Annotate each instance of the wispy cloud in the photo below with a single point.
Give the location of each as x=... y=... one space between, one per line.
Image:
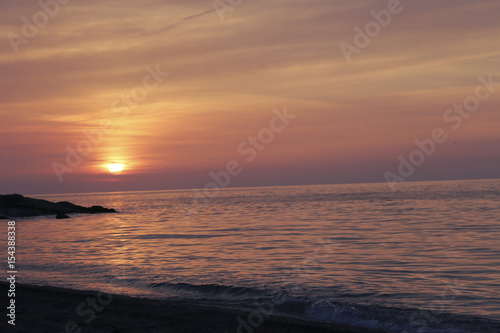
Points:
x=226 y=76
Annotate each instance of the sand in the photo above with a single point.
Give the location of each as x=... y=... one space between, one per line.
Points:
x=49 y=309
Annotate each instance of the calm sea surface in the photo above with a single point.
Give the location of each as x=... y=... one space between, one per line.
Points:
x=423 y=259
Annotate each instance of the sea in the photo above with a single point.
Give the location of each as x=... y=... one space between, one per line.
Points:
x=425 y=258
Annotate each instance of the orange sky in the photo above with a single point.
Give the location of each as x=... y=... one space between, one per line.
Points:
x=225 y=78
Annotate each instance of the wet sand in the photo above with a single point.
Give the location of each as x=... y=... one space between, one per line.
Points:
x=56 y=310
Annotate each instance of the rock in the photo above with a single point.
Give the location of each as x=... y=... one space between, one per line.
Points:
x=62 y=216
x=16 y=205
x=100 y=209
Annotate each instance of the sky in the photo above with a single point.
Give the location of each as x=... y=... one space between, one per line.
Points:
x=294 y=92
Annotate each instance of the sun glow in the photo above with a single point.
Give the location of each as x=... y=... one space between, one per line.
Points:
x=115 y=167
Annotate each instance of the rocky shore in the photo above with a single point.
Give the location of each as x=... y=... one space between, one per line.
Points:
x=16 y=205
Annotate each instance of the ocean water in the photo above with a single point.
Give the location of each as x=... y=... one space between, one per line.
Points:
x=423 y=259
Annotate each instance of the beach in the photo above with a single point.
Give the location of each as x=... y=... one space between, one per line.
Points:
x=250 y=166
x=50 y=309
x=282 y=259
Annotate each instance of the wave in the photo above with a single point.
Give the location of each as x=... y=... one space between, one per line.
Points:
x=404 y=320
x=281 y=303
x=210 y=290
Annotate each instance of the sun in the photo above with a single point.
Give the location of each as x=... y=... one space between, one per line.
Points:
x=115 y=168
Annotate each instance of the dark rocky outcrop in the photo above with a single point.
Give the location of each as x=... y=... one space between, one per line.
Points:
x=16 y=205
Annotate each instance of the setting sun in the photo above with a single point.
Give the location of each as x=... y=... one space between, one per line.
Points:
x=115 y=168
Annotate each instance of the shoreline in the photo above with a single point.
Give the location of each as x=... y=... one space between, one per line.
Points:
x=54 y=309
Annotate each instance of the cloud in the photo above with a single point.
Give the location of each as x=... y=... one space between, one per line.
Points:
x=227 y=75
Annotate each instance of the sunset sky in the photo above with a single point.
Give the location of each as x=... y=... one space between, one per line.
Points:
x=353 y=119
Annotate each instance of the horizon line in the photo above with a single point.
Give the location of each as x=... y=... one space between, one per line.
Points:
x=262 y=186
